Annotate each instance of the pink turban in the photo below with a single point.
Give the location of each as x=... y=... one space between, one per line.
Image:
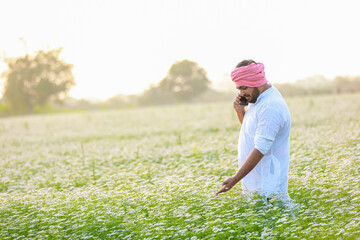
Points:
x=252 y=75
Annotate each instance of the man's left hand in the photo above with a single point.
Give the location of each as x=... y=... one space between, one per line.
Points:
x=228 y=184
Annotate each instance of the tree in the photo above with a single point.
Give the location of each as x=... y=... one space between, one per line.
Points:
x=154 y=95
x=185 y=80
x=34 y=80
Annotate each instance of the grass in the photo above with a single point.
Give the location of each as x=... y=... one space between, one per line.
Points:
x=151 y=174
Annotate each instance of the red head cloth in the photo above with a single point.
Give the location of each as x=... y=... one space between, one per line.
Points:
x=252 y=75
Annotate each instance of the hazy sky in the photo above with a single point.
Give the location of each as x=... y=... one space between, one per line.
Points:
x=124 y=46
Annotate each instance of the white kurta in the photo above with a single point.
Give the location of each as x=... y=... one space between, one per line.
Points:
x=266 y=127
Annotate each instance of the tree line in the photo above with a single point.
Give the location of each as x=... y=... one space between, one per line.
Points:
x=319 y=84
x=41 y=83
x=35 y=83
x=313 y=85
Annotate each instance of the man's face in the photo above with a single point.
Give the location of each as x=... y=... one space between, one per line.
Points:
x=250 y=93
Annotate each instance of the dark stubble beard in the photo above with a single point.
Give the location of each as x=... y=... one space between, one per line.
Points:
x=255 y=96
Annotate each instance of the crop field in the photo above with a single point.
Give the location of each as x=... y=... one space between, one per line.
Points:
x=151 y=173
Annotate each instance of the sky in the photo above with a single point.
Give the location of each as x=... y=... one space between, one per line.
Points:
x=121 y=47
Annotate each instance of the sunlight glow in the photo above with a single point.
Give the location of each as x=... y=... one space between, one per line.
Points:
x=121 y=47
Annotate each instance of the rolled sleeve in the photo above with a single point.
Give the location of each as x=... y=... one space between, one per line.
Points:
x=270 y=122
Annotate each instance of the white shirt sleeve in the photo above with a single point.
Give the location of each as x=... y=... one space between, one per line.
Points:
x=270 y=122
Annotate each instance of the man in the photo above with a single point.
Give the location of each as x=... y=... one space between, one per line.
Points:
x=264 y=142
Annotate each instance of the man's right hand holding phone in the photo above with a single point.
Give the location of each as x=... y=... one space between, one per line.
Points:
x=240 y=107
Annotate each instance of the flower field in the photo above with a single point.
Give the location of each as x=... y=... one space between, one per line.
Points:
x=152 y=173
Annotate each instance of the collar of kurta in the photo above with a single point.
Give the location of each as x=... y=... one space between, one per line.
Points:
x=264 y=94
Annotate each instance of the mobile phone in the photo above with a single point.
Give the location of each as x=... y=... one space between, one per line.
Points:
x=243 y=101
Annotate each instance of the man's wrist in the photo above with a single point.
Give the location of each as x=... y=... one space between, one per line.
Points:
x=237 y=178
x=241 y=111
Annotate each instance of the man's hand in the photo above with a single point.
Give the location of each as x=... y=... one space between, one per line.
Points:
x=228 y=184
x=238 y=108
x=251 y=161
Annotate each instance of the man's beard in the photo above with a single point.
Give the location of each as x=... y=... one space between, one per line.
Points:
x=255 y=95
